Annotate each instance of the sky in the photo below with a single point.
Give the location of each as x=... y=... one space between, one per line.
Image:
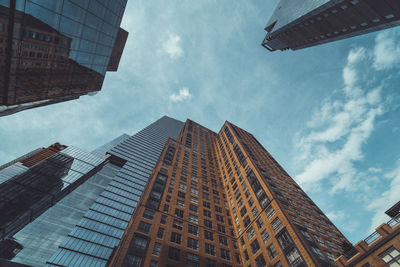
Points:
x=330 y=114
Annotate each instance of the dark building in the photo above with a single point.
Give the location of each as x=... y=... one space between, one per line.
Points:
x=56 y=51
x=222 y=200
x=300 y=24
x=82 y=226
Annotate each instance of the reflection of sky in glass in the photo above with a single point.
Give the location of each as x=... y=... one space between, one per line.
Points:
x=93 y=26
x=289 y=10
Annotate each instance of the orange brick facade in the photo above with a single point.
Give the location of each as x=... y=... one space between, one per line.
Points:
x=222 y=200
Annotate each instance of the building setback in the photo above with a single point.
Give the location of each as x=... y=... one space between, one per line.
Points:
x=381 y=248
x=222 y=200
x=300 y=24
x=56 y=51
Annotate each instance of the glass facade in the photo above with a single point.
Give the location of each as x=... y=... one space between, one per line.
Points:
x=55 y=49
x=301 y=24
x=92 y=240
x=24 y=195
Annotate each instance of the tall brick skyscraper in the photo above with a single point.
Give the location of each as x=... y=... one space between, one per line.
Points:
x=300 y=24
x=222 y=200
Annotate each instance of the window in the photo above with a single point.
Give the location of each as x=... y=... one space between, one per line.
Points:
x=160 y=233
x=210 y=249
x=193 y=218
x=211 y=263
x=246 y=255
x=194 y=191
x=179 y=213
x=270 y=212
x=153 y=263
x=255 y=246
x=163 y=219
x=208 y=235
x=317 y=252
x=156 y=249
x=180 y=203
x=206 y=196
x=144 y=227
x=168 y=199
x=192 y=260
x=177 y=225
x=284 y=240
x=193 y=208
x=221 y=229
x=207 y=213
x=206 y=204
x=148 y=214
x=182 y=186
x=223 y=240
x=174 y=253
x=181 y=194
x=208 y=224
x=243 y=211
x=271 y=251
x=246 y=221
x=192 y=243
x=218 y=209
x=134 y=261
x=194 y=200
x=260 y=223
x=391 y=257
x=139 y=244
x=255 y=212
x=265 y=237
x=166 y=208
x=251 y=202
x=260 y=261
x=194 y=230
x=276 y=224
x=225 y=254
x=220 y=218
x=176 y=238
x=250 y=233
x=278 y=264
x=294 y=257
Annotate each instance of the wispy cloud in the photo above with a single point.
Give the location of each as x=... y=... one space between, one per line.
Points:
x=172 y=46
x=386 y=199
x=183 y=95
x=339 y=130
x=387 y=50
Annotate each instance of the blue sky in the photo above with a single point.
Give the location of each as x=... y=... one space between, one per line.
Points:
x=329 y=114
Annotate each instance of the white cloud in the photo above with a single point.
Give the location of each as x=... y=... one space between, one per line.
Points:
x=375 y=170
x=172 y=47
x=344 y=124
x=386 y=52
x=183 y=94
x=385 y=200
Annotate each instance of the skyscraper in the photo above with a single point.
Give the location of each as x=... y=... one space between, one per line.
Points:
x=84 y=225
x=54 y=51
x=300 y=24
x=222 y=200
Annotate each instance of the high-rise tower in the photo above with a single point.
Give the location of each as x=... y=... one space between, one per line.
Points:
x=77 y=204
x=54 y=51
x=300 y=24
x=222 y=200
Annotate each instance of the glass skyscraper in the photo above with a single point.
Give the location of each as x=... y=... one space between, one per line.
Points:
x=300 y=24
x=83 y=228
x=56 y=50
